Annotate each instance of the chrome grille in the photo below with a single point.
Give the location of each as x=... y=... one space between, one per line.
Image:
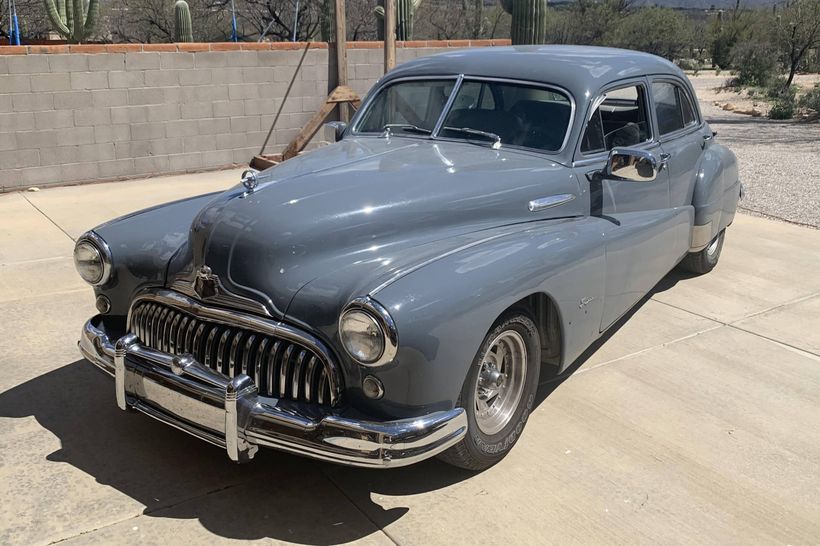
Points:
x=280 y=367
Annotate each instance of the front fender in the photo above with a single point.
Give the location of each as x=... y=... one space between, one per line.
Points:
x=141 y=245
x=444 y=310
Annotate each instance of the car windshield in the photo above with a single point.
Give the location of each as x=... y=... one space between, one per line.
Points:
x=493 y=113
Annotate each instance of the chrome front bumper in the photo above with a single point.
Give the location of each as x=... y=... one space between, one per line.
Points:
x=229 y=413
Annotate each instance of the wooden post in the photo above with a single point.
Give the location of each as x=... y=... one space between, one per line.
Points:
x=341 y=54
x=389 y=34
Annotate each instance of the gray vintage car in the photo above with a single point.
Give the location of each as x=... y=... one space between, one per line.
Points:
x=397 y=294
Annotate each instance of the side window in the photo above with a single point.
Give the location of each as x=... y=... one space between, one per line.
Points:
x=672 y=107
x=619 y=121
x=474 y=96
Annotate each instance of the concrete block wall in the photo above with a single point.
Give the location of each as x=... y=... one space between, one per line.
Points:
x=88 y=113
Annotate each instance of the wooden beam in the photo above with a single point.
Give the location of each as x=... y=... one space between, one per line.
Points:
x=389 y=35
x=342 y=96
x=341 y=54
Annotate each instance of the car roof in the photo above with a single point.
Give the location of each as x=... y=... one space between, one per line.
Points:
x=579 y=69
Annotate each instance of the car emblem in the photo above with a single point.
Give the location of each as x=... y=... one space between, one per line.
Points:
x=206 y=283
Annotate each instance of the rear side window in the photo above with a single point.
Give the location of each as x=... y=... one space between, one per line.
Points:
x=620 y=120
x=673 y=107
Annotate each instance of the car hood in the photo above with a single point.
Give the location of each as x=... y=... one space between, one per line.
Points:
x=363 y=203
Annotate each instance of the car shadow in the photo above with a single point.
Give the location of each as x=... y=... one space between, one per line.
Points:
x=278 y=496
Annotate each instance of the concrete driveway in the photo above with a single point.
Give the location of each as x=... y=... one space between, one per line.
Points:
x=696 y=420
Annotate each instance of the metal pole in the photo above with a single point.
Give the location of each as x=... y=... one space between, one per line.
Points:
x=389 y=34
x=234 y=37
x=296 y=21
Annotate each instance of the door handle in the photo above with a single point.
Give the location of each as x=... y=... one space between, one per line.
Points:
x=664 y=160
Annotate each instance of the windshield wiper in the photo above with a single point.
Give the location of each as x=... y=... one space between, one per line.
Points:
x=388 y=129
x=476 y=132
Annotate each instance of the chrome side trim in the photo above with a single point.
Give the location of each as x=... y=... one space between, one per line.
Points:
x=548 y=202
x=225 y=298
x=229 y=413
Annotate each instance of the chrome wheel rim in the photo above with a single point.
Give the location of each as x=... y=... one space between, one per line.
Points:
x=500 y=382
x=712 y=248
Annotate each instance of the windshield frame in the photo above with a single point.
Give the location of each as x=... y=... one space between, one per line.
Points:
x=459 y=79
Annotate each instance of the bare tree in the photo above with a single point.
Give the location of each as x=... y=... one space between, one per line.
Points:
x=798 y=32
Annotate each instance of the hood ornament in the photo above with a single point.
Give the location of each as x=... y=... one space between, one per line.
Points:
x=249 y=180
x=206 y=284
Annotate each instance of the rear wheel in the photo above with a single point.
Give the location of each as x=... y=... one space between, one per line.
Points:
x=498 y=393
x=706 y=259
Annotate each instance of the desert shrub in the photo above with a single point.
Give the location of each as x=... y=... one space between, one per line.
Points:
x=754 y=63
x=783 y=107
x=688 y=64
x=811 y=100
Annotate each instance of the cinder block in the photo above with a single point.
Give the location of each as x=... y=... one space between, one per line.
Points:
x=242 y=58
x=141 y=61
x=210 y=59
x=17 y=121
x=242 y=91
x=36 y=139
x=77 y=135
x=256 y=107
x=185 y=161
x=79 y=172
x=134 y=148
x=147 y=131
x=92 y=116
x=197 y=76
x=53 y=119
x=244 y=124
x=88 y=80
x=231 y=141
x=50 y=82
x=277 y=58
x=10 y=179
x=129 y=114
x=8 y=141
x=116 y=168
x=102 y=98
x=19 y=159
x=179 y=128
x=229 y=108
x=106 y=62
x=112 y=133
x=256 y=138
x=163 y=112
x=28 y=64
x=72 y=99
x=57 y=155
x=15 y=83
x=176 y=60
x=227 y=75
x=258 y=74
x=146 y=95
x=217 y=158
x=166 y=146
x=172 y=94
x=161 y=78
x=198 y=143
x=244 y=155
x=200 y=93
x=151 y=165
x=213 y=126
x=196 y=110
x=32 y=102
x=50 y=174
x=272 y=90
x=5 y=103
x=126 y=79
x=68 y=63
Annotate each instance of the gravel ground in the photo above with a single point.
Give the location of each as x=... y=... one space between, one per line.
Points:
x=779 y=160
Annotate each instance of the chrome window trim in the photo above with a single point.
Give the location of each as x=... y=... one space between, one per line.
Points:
x=382 y=317
x=650 y=117
x=686 y=129
x=460 y=78
x=105 y=255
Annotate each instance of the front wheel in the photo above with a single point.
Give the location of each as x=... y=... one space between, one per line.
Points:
x=706 y=259
x=498 y=393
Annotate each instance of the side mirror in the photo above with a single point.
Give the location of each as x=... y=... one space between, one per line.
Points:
x=634 y=165
x=338 y=128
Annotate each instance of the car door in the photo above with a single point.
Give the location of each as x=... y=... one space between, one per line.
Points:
x=640 y=249
x=682 y=136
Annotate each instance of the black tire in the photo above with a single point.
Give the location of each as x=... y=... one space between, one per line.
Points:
x=477 y=450
x=706 y=259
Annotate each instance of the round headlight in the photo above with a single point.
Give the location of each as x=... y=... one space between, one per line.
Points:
x=362 y=336
x=92 y=261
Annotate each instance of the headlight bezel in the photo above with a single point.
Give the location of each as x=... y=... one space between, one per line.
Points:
x=381 y=317
x=97 y=243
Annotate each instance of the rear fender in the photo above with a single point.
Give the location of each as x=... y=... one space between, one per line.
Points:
x=716 y=194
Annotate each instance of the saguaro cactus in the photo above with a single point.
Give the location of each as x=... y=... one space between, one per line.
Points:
x=529 y=20
x=182 y=22
x=70 y=18
x=405 y=12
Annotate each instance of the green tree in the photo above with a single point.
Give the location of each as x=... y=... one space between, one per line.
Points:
x=660 y=31
x=798 y=32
